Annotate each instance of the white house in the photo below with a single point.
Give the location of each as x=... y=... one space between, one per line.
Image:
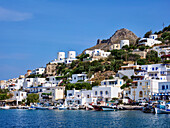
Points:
x=124 y=43
x=149 y=41
x=163 y=91
x=127 y=70
x=33 y=82
x=38 y=71
x=80 y=97
x=106 y=93
x=19 y=96
x=61 y=57
x=109 y=89
x=162 y=50
x=156 y=71
x=97 y=54
x=78 y=78
x=143 y=89
x=18 y=84
x=51 y=94
x=53 y=81
x=113 y=82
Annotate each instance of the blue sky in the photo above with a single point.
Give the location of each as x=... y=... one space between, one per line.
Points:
x=33 y=31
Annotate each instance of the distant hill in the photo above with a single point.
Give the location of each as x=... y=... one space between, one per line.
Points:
x=121 y=34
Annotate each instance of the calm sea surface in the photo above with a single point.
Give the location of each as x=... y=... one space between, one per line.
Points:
x=82 y=119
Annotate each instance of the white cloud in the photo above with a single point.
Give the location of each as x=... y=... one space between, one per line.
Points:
x=11 y=15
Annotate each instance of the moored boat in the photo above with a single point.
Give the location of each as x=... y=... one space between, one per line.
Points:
x=163 y=108
x=104 y=108
x=5 y=107
x=74 y=107
x=62 y=107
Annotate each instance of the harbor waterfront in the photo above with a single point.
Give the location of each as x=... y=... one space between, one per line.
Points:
x=82 y=118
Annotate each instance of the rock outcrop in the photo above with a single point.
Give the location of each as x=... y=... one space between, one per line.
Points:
x=122 y=34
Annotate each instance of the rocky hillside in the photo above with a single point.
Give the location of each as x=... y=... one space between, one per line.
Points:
x=121 y=34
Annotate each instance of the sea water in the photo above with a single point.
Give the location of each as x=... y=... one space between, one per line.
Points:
x=81 y=119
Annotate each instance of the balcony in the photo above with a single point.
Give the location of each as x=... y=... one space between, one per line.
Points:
x=144 y=87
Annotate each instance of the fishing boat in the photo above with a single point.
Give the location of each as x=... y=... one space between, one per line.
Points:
x=163 y=108
x=89 y=107
x=74 y=107
x=5 y=107
x=50 y=107
x=62 y=107
x=104 y=108
x=32 y=107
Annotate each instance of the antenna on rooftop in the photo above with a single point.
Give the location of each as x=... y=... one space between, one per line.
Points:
x=163 y=25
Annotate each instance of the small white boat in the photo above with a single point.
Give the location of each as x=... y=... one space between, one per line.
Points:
x=50 y=107
x=89 y=107
x=5 y=107
x=62 y=107
x=74 y=107
x=162 y=111
x=32 y=107
x=163 y=108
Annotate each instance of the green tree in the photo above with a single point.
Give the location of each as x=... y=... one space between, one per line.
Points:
x=125 y=78
x=32 y=98
x=142 y=48
x=152 y=56
x=147 y=34
x=142 y=62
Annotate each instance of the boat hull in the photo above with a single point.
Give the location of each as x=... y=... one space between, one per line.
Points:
x=161 y=111
x=103 y=108
x=6 y=107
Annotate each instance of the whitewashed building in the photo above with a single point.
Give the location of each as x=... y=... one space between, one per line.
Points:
x=124 y=43
x=38 y=71
x=162 y=50
x=149 y=41
x=97 y=54
x=33 y=82
x=79 y=78
x=156 y=71
x=163 y=91
x=19 y=96
x=127 y=70
x=53 y=81
x=80 y=97
x=143 y=89
x=61 y=57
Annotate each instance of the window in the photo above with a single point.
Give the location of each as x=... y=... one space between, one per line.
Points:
x=22 y=94
x=104 y=83
x=95 y=92
x=101 y=92
x=166 y=86
x=111 y=82
x=152 y=69
x=106 y=93
x=140 y=94
x=144 y=92
x=78 y=95
x=17 y=94
x=156 y=68
x=69 y=94
x=163 y=87
x=155 y=74
x=140 y=83
x=120 y=82
x=88 y=96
